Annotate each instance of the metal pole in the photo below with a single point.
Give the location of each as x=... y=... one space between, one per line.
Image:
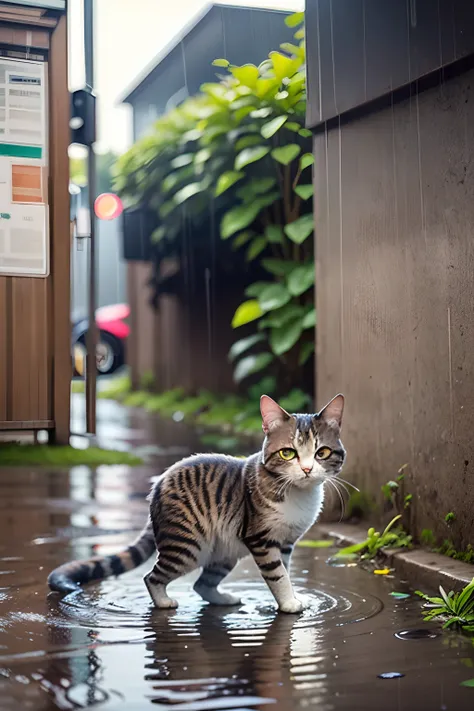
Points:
x=91 y=367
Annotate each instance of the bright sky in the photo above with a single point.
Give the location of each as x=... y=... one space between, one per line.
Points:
x=129 y=33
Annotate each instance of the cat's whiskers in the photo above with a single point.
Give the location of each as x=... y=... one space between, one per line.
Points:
x=341 y=499
x=340 y=479
x=343 y=486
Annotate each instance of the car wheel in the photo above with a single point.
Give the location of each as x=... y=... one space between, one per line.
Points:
x=109 y=353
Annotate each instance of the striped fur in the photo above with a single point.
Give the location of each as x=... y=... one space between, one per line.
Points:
x=208 y=511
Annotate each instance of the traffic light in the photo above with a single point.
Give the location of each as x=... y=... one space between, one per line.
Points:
x=83 y=117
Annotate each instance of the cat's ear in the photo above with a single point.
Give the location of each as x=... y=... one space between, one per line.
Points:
x=332 y=413
x=272 y=414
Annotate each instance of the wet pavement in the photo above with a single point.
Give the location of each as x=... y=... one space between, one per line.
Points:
x=107 y=647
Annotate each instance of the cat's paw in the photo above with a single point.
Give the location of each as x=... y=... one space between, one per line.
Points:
x=292 y=607
x=166 y=603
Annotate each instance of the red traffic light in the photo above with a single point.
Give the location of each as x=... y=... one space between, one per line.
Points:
x=108 y=206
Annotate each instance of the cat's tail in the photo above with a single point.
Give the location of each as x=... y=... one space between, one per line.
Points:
x=68 y=577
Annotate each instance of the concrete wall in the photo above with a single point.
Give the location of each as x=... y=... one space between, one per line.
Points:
x=395 y=294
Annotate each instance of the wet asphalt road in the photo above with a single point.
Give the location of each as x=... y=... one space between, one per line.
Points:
x=109 y=648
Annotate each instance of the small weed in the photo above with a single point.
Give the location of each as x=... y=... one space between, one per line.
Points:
x=389 y=489
x=359 y=505
x=427 y=537
x=447 y=548
x=407 y=501
x=453 y=608
x=375 y=541
x=450 y=518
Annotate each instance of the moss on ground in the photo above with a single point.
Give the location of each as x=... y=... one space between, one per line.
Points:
x=13 y=454
x=226 y=413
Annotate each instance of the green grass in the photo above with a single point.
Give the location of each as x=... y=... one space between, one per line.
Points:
x=42 y=454
x=78 y=386
x=118 y=389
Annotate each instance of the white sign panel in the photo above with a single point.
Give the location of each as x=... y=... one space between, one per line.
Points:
x=24 y=238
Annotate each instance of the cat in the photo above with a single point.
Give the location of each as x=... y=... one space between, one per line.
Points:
x=210 y=510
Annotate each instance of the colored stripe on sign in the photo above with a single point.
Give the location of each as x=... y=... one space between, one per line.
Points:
x=12 y=149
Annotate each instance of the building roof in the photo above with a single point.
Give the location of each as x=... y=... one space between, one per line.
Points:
x=179 y=37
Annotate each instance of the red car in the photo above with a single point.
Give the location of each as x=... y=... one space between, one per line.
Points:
x=113 y=332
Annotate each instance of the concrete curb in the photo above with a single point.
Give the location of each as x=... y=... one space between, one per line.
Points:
x=421 y=568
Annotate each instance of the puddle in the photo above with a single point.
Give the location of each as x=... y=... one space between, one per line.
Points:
x=108 y=647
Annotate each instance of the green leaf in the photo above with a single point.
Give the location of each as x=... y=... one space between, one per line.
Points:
x=247 y=74
x=469 y=683
x=238 y=219
x=279 y=267
x=324 y=543
x=274 y=234
x=269 y=129
x=247 y=311
x=278 y=317
x=242 y=239
x=247 y=141
x=307 y=349
x=301 y=279
x=309 y=320
x=305 y=133
x=251 y=364
x=399 y=595
x=255 y=289
x=284 y=338
x=158 y=234
x=182 y=160
x=283 y=66
x=250 y=155
x=299 y=35
x=295 y=19
x=299 y=230
x=202 y=156
x=355 y=548
x=187 y=192
x=293 y=126
x=273 y=297
x=306 y=160
x=285 y=154
x=221 y=63
x=290 y=48
x=244 y=344
x=304 y=191
x=226 y=180
x=255 y=186
x=257 y=246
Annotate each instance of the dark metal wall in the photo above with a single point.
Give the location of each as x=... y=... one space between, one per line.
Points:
x=359 y=50
x=395 y=295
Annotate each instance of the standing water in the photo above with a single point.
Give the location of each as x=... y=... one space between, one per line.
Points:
x=351 y=649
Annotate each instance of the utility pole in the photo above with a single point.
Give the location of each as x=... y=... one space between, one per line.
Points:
x=91 y=344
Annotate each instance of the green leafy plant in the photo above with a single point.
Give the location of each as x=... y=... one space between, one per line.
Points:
x=450 y=518
x=448 y=549
x=241 y=147
x=453 y=608
x=375 y=541
x=427 y=537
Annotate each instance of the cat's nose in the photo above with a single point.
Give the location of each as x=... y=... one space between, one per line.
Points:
x=306 y=469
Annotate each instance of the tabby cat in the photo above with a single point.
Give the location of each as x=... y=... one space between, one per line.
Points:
x=210 y=510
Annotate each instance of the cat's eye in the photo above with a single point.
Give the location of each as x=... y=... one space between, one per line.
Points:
x=324 y=453
x=287 y=454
